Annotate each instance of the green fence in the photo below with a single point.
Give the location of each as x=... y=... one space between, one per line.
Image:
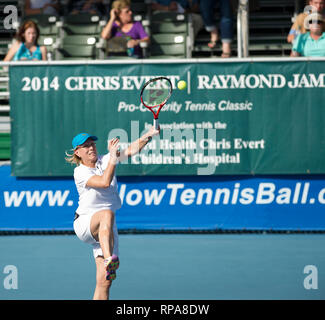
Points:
x=235 y=117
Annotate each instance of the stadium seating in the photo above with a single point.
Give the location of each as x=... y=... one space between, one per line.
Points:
x=74 y=47
x=141 y=10
x=78 y=37
x=82 y=24
x=269 y=25
x=169 y=35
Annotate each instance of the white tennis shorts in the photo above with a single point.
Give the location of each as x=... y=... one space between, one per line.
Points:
x=82 y=229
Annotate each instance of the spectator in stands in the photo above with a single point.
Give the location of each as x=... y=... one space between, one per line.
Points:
x=50 y=7
x=86 y=6
x=226 y=24
x=181 y=6
x=298 y=26
x=312 y=43
x=25 y=47
x=121 y=25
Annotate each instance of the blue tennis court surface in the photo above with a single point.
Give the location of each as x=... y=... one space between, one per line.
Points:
x=159 y=267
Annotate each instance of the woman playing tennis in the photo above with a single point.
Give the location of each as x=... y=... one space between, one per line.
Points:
x=98 y=201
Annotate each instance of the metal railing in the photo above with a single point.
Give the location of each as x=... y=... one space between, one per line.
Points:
x=242 y=29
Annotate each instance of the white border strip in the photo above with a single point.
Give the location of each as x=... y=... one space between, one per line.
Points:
x=158 y=61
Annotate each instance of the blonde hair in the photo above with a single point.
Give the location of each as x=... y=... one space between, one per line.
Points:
x=120 y=4
x=72 y=158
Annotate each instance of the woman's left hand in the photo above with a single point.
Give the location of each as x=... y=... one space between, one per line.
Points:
x=132 y=43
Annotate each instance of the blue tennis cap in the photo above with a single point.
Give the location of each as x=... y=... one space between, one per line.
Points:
x=81 y=138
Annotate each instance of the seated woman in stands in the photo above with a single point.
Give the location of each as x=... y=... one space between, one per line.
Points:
x=25 y=47
x=121 y=24
x=312 y=43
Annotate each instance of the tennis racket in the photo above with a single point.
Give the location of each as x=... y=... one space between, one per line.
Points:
x=154 y=95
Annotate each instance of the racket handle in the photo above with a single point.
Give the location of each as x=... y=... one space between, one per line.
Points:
x=156 y=124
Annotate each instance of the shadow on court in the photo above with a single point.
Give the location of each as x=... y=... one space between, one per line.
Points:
x=159 y=267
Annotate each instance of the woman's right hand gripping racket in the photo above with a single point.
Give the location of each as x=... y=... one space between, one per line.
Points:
x=154 y=95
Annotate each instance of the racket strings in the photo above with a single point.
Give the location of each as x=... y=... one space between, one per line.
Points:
x=156 y=93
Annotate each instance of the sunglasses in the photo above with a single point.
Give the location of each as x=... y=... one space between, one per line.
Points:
x=87 y=144
x=315 y=22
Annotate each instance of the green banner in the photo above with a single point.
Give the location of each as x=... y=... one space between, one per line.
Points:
x=257 y=117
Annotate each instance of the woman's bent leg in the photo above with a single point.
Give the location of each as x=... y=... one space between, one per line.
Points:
x=101 y=227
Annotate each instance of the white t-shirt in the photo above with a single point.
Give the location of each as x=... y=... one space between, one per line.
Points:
x=92 y=200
